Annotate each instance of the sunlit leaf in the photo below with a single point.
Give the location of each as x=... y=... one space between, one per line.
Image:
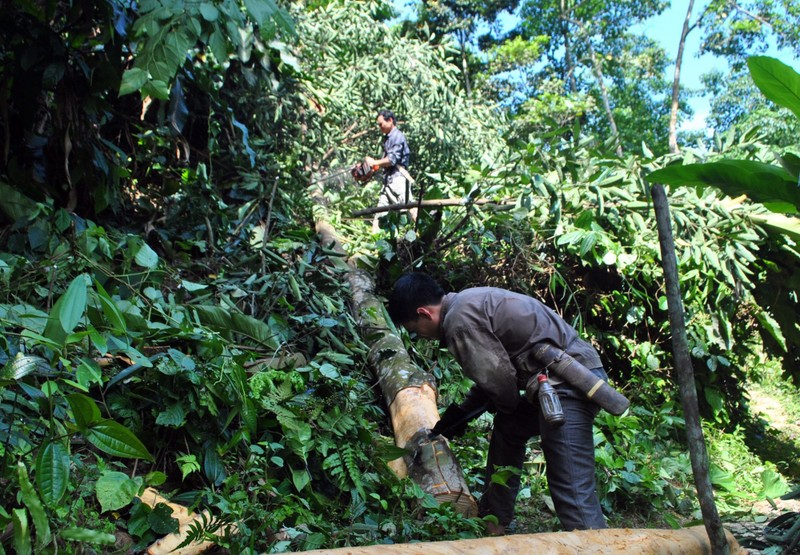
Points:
x=22 y=532
x=779 y=82
x=133 y=80
x=146 y=257
x=88 y=372
x=84 y=535
x=23 y=365
x=115 y=490
x=770 y=185
x=34 y=505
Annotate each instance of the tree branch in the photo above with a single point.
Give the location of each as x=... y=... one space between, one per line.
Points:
x=433 y=203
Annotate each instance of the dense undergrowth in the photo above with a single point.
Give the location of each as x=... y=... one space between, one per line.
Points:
x=172 y=320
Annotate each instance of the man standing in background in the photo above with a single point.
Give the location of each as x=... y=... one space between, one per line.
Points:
x=396 y=156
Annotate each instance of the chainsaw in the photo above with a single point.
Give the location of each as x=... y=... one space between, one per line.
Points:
x=360 y=172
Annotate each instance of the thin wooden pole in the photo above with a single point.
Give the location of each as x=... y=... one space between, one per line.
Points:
x=683 y=367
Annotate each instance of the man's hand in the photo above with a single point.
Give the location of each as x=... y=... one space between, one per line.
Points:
x=453 y=423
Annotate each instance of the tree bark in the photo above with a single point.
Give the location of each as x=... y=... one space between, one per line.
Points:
x=611 y=541
x=599 y=76
x=569 y=60
x=683 y=367
x=409 y=392
x=676 y=81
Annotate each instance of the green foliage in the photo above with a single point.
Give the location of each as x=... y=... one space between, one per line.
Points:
x=164 y=33
x=200 y=339
x=779 y=82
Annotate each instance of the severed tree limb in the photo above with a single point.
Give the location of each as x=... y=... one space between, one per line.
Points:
x=409 y=392
x=434 y=203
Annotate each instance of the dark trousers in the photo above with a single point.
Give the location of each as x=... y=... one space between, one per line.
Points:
x=568 y=451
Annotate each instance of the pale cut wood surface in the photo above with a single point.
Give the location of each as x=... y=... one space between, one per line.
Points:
x=613 y=541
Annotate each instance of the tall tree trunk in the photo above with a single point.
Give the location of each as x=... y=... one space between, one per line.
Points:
x=462 y=39
x=601 y=82
x=685 y=373
x=599 y=76
x=569 y=59
x=676 y=81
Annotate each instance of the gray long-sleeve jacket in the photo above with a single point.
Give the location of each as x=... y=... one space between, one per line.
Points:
x=490 y=332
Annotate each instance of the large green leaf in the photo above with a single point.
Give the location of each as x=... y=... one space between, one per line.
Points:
x=789 y=225
x=52 y=471
x=72 y=305
x=779 y=82
x=144 y=255
x=115 y=490
x=34 y=506
x=23 y=365
x=22 y=532
x=16 y=205
x=84 y=535
x=115 y=439
x=133 y=80
x=223 y=320
x=110 y=309
x=213 y=467
x=770 y=185
x=84 y=410
x=260 y=10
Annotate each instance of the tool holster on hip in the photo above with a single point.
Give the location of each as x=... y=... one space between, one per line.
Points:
x=576 y=374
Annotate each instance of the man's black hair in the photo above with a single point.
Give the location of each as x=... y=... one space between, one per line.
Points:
x=410 y=292
x=387 y=115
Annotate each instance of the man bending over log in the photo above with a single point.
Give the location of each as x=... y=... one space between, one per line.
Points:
x=496 y=336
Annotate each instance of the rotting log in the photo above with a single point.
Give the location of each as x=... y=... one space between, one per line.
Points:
x=611 y=541
x=408 y=391
x=169 y=544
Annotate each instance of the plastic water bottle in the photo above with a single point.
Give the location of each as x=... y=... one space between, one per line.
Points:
x=551 y=405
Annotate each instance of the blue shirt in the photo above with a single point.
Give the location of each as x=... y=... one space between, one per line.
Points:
x=395 y=148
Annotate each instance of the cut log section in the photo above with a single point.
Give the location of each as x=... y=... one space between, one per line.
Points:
x=612 y=541
x=409 y=392
x=185 y=518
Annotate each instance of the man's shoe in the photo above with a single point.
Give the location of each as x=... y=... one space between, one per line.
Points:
x=493 y=529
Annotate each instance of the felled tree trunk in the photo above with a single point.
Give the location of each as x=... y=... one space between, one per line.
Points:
x=409 y=392
x=612 y=541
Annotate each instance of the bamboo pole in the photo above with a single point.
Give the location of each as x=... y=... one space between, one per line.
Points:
x=610 y=541
x=408 y=391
